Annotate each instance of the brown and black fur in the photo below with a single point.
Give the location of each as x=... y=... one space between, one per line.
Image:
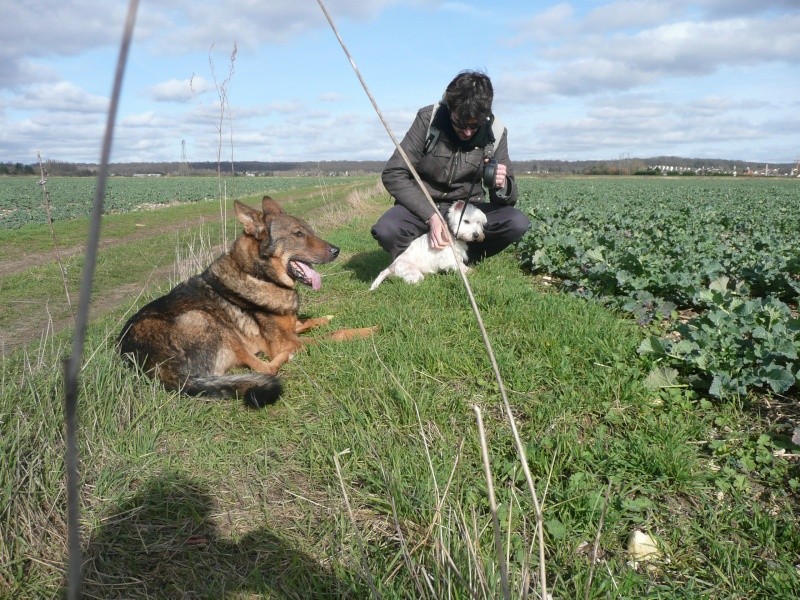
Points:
x=243 y=305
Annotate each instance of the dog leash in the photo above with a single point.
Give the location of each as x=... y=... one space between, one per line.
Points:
x=469 y=195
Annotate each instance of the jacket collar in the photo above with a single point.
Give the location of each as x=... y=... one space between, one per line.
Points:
x=481 y=138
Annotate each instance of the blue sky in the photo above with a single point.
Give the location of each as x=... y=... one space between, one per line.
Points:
x=574 y=80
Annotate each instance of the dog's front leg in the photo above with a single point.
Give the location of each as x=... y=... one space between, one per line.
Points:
x=270 y=368
x=342 y=335
x=303 y=326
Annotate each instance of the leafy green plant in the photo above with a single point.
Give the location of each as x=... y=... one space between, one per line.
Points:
x=655 y=249
x=741 y=456
x=736 y=344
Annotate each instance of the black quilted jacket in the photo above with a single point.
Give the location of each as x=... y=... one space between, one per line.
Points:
x=450 y=169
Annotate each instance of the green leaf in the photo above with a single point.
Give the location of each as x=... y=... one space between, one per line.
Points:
x=556 y=529
x=652 y=345
x=779 y=379
x=596 y=254
x=661 y=377
x=719 y=285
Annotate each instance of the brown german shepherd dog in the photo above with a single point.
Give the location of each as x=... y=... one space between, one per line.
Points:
x=245 y=303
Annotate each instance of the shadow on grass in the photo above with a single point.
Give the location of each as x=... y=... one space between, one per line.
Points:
x=162 y=543
x=366 y=265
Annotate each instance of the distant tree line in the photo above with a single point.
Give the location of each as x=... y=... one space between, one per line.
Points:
x=640 y=166
x=16 y=169
x=238 y=168
x=622 y=166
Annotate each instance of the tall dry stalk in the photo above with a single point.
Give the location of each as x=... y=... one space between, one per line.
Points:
x=487 y=470
x=224 y=112
x=61 y=267
x=365 y=574
x=222 y=89
x=521 y=454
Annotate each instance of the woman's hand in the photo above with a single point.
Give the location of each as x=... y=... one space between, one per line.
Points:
x=500 y=176
x=438 y=236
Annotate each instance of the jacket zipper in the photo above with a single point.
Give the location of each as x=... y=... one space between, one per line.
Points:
x=453 y=165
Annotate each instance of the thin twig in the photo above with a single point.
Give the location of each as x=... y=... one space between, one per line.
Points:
x=473 y=303
x=73 y=363
x=596 y=547
x=487 y=469
x=224 y=109
x=61 y=267
x=368 y=575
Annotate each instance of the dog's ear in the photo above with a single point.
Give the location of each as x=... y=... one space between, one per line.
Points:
x=250 y=218
x=458 y=206
x=270 y=207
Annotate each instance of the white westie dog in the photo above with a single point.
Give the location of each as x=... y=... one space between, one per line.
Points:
x=419 y=259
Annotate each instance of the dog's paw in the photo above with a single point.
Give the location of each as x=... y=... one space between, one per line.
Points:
x=352 y=334
x=413 y=277
x=308 y=324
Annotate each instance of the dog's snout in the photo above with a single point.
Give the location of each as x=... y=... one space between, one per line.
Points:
x=334 y=251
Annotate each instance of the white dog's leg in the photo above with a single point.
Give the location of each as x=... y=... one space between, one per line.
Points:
x=408 y=273
x=381 y=276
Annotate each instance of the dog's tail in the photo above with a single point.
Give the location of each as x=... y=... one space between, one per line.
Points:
x=381 y=276
x=257 y=389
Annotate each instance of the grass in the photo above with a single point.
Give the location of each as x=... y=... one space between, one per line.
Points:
x=137 y=247
x=207 y=499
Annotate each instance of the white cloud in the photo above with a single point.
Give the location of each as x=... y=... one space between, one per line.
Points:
x=731 y=8
x=625 y=14
x=251 y=23
x=578 y=76
x=62 y=96
x=40 y=29
x=688 y=48
x=330 y=97
x=147 y=119
x=552 y=24
x=179 y=90
x=591 y=63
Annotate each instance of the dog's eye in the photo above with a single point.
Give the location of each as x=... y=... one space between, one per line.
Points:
x=299 y=233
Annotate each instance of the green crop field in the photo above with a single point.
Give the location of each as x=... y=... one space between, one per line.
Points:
x=22 y=198
x=718 y=259
x=647 y=335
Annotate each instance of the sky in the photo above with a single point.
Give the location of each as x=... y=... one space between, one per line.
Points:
x=574 y=80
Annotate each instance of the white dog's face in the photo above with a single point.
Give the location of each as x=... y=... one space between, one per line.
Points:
x=470 y=227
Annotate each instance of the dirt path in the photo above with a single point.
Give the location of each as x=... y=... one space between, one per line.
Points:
x=33 y=258
x=11 y=265
x=39 y=323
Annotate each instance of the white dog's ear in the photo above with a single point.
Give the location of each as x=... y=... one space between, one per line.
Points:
x=458 y=206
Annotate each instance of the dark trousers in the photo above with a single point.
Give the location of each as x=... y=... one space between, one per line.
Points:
x=398 y=227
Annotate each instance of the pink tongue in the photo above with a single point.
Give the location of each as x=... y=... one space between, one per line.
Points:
x=311 y=275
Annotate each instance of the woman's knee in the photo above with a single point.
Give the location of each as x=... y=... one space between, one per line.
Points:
x=510 y=224
x=519 y=224
x=382 y=231
x=395 y=230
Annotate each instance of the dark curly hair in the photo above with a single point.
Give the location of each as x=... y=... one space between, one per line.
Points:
x=470 y=95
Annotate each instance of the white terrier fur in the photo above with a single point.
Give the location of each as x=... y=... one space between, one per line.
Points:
x=419 y=259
